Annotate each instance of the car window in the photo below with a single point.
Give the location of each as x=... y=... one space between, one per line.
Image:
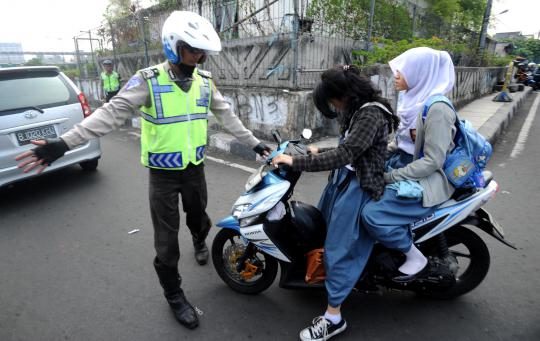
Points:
x=43 y=89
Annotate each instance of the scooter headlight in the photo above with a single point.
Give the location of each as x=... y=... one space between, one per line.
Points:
x=249 y=220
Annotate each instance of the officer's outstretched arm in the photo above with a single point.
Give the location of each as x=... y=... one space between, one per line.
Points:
x=111 y=115
x=43 y=156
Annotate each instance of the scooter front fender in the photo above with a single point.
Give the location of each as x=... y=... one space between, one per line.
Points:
x=229 y=223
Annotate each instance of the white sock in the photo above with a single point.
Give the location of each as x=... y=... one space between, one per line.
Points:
x=414 y=263
x=335 y=319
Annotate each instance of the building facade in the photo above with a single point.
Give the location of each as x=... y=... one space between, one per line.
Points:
x=11 y=59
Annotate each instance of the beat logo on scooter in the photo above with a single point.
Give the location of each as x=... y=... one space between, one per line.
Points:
x=423 y=220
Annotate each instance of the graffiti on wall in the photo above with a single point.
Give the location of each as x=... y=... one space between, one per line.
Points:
x=259 y=107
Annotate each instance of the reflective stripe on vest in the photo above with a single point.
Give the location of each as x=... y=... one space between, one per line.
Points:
x=174 y=127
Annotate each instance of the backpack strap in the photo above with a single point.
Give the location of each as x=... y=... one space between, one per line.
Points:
x=427 y=105
x=434 y=99
x=375 y=104
x=369 y=104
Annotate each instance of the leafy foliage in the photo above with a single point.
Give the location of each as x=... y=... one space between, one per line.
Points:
x=385 y=49
x=350 y=18
x=528 y=48
x=34 y=62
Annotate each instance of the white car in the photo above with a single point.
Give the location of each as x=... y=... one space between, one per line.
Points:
x=36 y=103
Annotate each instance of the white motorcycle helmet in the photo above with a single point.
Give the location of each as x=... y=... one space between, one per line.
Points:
x=192 y=29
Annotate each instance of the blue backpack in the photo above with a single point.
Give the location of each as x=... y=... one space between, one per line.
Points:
x=464 y=164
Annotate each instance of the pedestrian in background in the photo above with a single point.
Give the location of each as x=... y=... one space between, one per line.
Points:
x=110 y=80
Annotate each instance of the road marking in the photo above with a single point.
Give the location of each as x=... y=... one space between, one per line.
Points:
x=134 y=134
x=524 y=132
x=231 y=164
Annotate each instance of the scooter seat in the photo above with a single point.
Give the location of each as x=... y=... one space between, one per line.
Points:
x=464 y=193
x=488 y=176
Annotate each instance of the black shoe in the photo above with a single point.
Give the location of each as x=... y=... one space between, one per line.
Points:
x=170 y=280
x=183 y=310
x=403 y=278
x=201 y=253
x=322 y=329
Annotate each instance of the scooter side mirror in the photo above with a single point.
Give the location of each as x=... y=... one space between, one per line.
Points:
x=307 y=133
x=276 y=136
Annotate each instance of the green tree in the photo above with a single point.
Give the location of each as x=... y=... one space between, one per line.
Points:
x=350 y=18
x=34 y=62
x=456 y=20
x=528 y=48
x=386 y=49
x=119 y=9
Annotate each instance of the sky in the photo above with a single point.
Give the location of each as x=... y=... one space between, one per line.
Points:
x=50 y=25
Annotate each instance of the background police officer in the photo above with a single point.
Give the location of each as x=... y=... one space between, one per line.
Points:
x=110 y=80
x=174 y=99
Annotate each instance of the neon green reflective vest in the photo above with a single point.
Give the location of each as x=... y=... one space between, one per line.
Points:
x=174 y=127
x=110 y=82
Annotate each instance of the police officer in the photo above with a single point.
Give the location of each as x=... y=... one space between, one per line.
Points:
x=174 y=99
x=110 y=79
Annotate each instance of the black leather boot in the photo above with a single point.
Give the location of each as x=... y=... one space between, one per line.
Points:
x=201 y=252
x=170 y=281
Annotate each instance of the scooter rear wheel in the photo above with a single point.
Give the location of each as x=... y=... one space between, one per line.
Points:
x=473 y=260
x=258 y=271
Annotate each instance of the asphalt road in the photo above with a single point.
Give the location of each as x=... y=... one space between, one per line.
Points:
x=69 y=270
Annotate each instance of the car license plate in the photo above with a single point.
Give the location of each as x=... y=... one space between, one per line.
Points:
x=25 y=136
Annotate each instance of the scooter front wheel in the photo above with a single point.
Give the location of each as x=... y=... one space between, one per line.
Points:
x=244 y=268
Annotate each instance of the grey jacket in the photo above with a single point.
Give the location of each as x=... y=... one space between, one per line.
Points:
x=436 y=134
x=136 y=94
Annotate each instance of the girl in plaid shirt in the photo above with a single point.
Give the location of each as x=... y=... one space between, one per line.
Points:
x=357 y=165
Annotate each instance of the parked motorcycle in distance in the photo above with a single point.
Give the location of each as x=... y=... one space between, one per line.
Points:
x=267 y=231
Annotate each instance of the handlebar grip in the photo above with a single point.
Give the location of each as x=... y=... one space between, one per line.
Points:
x=284 y=167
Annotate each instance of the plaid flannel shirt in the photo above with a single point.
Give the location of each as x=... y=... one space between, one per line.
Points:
x=364 y=148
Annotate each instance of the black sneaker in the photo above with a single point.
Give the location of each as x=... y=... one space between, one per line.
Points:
x=322 y=329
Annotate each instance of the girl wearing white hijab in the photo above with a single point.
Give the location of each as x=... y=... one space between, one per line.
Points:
x=421 y=72
x=427 y=72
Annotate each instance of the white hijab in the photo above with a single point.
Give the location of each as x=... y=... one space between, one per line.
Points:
x=428 y=72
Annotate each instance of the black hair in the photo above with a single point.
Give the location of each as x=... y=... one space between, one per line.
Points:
x=344 y=82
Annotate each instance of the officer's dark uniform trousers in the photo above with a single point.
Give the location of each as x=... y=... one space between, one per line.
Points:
x=164 y=188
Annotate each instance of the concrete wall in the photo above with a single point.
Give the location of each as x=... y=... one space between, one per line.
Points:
x=257 y=76
x=266 y=61
x=263 y=109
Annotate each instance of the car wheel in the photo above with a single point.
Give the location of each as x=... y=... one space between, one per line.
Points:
x=90 y=165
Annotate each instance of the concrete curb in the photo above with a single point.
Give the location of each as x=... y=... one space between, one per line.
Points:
x=497 y=123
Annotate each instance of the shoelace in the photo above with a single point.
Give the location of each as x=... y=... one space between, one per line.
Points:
x=320 y=327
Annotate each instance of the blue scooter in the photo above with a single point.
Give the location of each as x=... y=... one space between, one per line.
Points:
x=267 y=229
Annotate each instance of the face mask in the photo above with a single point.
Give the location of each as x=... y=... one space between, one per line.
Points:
x=186 y=70
x=335 y=112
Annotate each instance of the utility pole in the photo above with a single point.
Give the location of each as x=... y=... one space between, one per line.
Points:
x=143 y=33
x=483 y=33
x=294 y=43
x=370 y=25
x=415 y=9
x=77 y=56
x=113 y=44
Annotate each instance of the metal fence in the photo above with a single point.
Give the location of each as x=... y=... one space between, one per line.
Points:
x=271 y=43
